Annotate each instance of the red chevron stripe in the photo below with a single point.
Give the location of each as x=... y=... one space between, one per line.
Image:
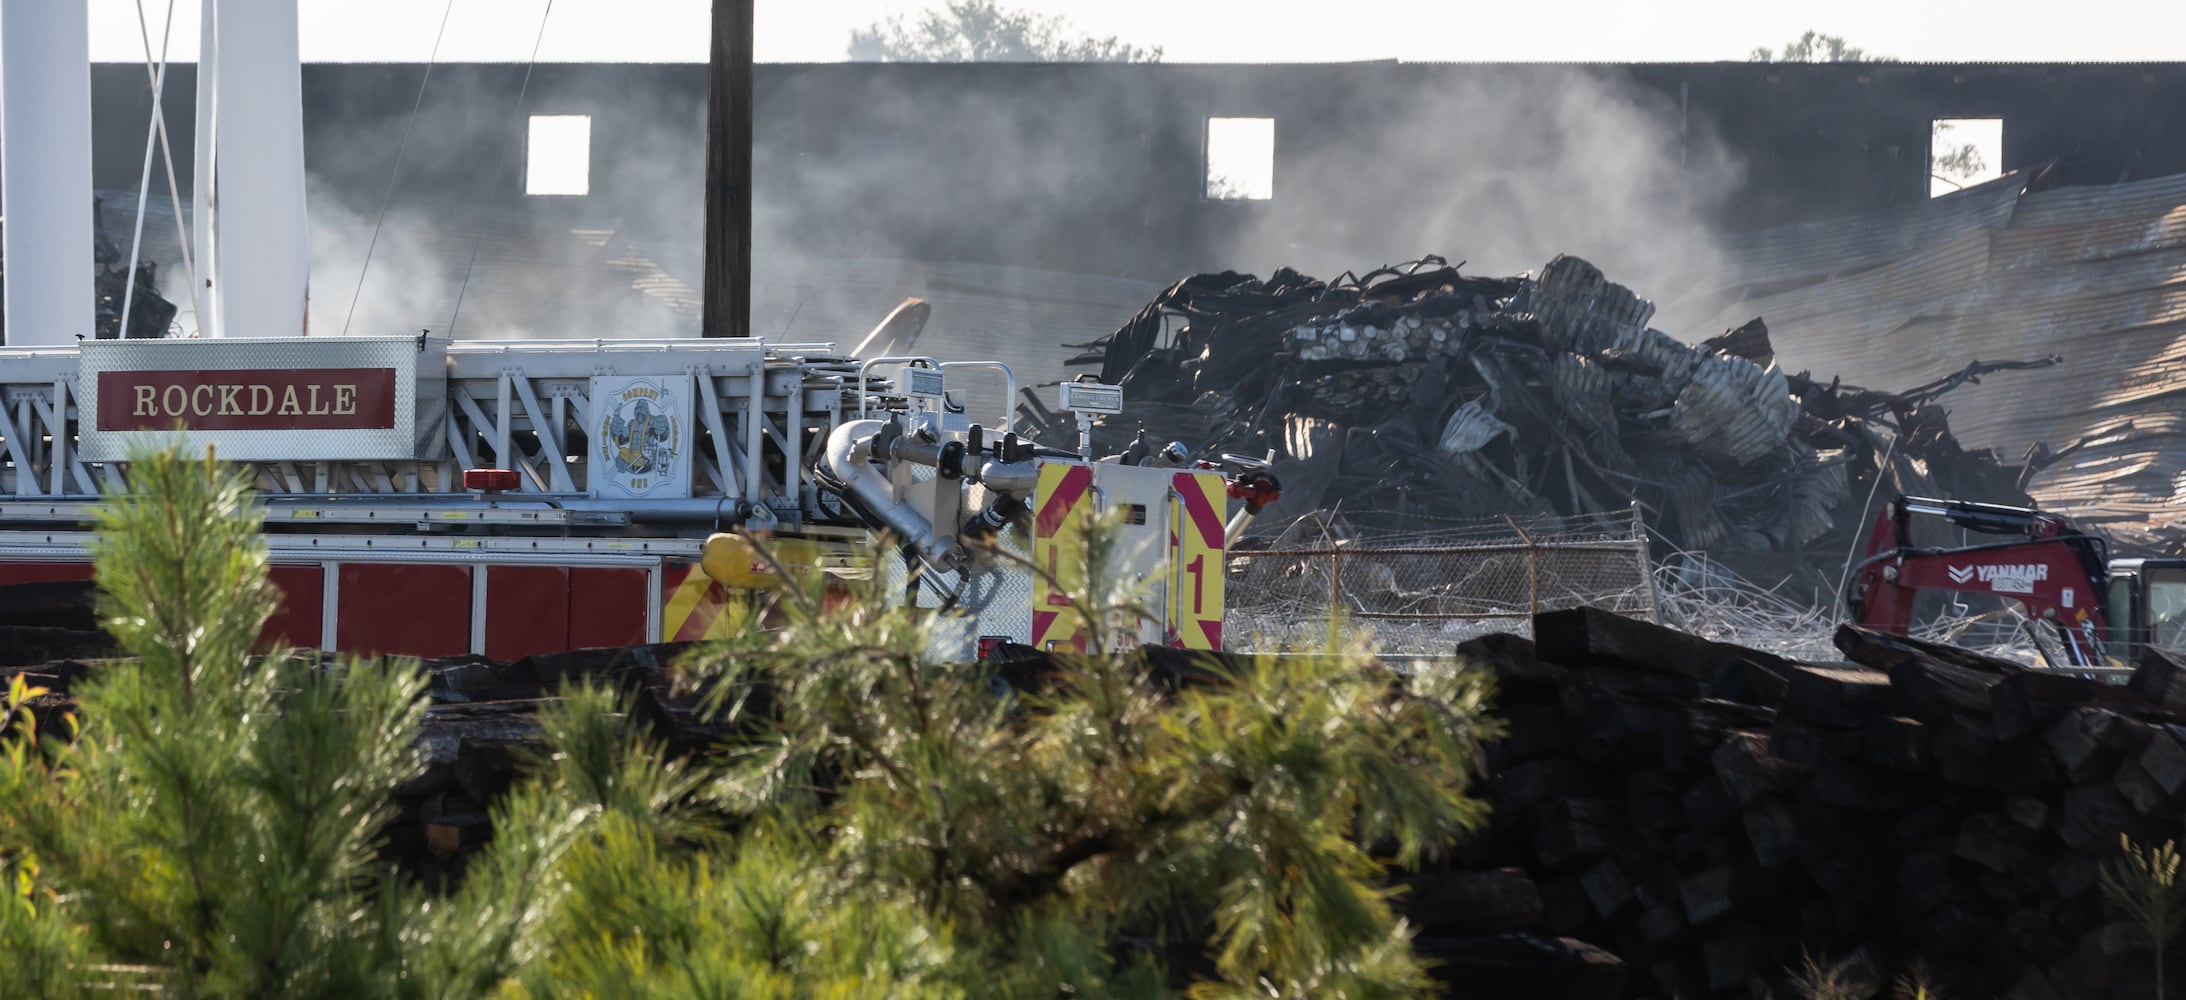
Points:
x=1057 y=506
x=1201 y=511
x=708 y=608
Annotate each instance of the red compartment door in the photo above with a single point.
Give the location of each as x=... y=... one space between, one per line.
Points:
x=43 y=572
x=297 y=621
x=527 y=610
x=607 y=607
x=403 y=610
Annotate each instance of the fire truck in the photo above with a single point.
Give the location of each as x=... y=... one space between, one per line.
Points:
x=431 y=498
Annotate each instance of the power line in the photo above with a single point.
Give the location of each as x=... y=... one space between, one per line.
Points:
x=498 y=166
x=397 y=168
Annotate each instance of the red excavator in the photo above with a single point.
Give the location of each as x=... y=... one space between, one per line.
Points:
x=2102 y=611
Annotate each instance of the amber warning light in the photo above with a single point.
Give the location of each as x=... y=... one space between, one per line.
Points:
x=489 y=480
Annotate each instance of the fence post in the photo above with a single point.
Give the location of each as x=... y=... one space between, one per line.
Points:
x=1646 y=565
x=1335 y=579
x=1533 y=571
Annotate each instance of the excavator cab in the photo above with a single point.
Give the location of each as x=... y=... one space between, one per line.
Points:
x=2057 y=573
x=2147 y=605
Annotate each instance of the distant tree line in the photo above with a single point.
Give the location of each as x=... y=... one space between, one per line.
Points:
x=984 y=31
x=1954 y=160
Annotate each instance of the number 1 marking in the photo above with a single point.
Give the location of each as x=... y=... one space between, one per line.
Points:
x=1055 y=598
x=1199 y=585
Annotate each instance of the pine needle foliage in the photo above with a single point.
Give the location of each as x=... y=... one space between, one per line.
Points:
x=1070 y=834
x=211 y=827
x=1820 y=980
x=1918 y=983
x=888 y=824
x=214 y=820
x=2144 y=883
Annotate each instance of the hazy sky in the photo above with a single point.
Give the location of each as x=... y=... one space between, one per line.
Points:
x=1229 y=30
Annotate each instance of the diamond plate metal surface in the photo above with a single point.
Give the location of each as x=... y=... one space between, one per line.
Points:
x=996 y=600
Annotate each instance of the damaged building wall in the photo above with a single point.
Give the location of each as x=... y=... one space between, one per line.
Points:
x=1037 y=203
x=623 y=261
x=1098 y=168
x=2096 y=275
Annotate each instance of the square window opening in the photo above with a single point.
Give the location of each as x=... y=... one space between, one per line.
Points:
x=558 y=155
x=1963 y=152
x=1241 y=159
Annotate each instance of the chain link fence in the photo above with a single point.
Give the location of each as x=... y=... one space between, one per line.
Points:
x=1421 y=591
x=1707 y=600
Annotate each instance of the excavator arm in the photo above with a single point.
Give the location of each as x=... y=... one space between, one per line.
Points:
x=2052 y=569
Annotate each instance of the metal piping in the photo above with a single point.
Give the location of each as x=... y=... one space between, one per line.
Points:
x=1235 y=530
x=849 y=459
x=697 y=510
x=1016 y=479
x=1009 y=387
x=864 y=382
x=261 y=230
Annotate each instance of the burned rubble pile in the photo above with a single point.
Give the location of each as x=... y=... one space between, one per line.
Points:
x=1418 y=391
x=1713 y=815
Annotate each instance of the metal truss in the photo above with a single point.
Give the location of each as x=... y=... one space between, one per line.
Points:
x=762 y=413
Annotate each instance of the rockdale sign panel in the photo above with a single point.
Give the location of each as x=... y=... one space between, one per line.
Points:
x=248 y=399
x=345 y=398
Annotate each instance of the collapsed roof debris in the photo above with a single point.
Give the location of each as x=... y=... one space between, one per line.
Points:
x=1416 y=392
x=150 y=314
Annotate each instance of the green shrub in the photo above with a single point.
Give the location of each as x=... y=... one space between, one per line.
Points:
x=2144 y=883
x=1107 y=816
x=211 y=830
x=887 y=825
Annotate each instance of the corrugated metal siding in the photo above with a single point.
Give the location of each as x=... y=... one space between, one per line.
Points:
x=2097 y=275
x=1843 y=246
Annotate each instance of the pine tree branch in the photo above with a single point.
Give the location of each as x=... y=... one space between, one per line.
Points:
x=1022 y=888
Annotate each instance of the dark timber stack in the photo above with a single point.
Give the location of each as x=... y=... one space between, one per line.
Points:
x=1712 y=815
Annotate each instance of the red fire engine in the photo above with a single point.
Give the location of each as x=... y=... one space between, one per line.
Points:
x=507 y=498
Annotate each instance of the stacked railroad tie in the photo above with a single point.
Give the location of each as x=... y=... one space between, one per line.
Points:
x=1714 y=815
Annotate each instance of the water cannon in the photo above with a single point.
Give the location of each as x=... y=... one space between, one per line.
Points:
x=1251 y=481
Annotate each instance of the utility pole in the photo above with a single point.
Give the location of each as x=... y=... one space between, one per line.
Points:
x=727 y=311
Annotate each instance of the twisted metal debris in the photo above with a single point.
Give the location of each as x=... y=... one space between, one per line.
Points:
x=1437 y=393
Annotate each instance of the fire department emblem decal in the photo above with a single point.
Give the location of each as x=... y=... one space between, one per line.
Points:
x=641 y=436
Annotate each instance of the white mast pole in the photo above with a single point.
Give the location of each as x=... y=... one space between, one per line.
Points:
x=45 y=170
x=207 y=295
x=261 y=234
